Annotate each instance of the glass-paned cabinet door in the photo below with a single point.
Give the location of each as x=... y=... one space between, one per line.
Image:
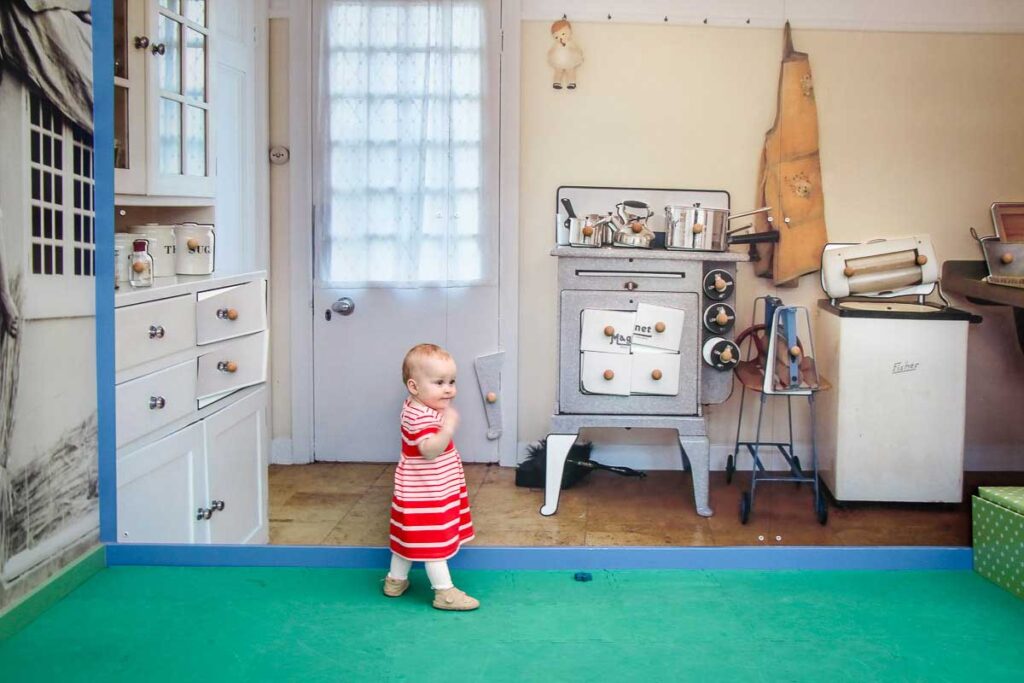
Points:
x=130 y=50
x=180 y=144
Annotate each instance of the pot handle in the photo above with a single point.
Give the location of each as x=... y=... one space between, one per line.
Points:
x=750 y=213
x=756 y=238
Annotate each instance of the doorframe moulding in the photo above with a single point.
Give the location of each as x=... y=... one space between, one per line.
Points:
x=939 y=16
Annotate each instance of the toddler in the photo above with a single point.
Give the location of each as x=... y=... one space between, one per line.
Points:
x=430 y=517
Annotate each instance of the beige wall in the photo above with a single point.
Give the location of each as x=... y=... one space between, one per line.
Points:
x=919 y=133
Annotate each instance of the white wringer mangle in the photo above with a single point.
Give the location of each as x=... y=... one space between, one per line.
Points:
x=893 y=428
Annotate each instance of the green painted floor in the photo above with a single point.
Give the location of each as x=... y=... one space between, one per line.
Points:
x=258 y=624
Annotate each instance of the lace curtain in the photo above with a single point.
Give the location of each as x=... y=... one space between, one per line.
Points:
x=401 y=137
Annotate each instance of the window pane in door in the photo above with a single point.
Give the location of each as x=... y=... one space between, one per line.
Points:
x=121 y=38
x=170 y=136
x=173 y=5
x=195 y=143
x=120 y=127
x=195 y=65
x=169 y=63
x=195 y=10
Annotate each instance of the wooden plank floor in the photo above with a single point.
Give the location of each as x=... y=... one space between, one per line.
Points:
x=348 y=504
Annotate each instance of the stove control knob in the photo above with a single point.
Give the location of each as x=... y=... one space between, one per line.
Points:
x=719 y=318
x=721 y=354
x=718 y=285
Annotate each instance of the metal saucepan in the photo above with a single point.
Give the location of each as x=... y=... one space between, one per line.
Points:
x=697 y=228
x=588 y=231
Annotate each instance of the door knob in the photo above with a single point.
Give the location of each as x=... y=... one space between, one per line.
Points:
x=344 y=305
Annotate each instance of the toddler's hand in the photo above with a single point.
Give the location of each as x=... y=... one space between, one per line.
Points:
x=451 y=418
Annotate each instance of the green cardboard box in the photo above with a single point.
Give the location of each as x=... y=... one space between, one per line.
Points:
x=998 y=516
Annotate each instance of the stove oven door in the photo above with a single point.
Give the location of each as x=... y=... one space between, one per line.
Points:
x=658 y=397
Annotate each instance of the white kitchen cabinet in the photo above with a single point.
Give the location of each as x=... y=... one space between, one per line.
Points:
x=159 y=489
x=163 y=119
x=192 y=432
x=237 y=447
x=206 y=483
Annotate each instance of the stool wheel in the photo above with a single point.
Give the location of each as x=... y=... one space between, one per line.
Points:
x=730 y=468
x=744 y=507
x=821 y=508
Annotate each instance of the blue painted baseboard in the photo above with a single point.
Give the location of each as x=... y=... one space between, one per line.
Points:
x=759 y=558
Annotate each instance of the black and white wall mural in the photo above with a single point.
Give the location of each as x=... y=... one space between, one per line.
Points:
x=48 y=453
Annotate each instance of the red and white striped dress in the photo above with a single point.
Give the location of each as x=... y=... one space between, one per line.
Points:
x=430 y=516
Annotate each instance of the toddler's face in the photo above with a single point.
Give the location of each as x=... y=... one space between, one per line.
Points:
x=433 y=382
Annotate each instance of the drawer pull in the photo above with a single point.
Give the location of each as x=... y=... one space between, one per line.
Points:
x=655 y=375
x=156 y=331
x=609 y=331
x=227 y=366
x=492 y=397
x=659 y=327
x=227 y=314
x=609 y=375
x=630 y=285
x=157 y=402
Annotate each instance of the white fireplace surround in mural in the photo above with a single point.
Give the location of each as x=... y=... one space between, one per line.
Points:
x=952 y=16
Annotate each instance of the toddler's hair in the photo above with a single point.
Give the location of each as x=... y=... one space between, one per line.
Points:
x=418 y=352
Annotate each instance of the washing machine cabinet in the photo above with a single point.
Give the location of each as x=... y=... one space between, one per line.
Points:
x=892 y=426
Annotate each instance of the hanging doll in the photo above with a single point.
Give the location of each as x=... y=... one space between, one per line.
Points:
x=564 y=55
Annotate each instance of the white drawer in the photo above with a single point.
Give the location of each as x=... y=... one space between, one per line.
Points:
x=231 y=312
x=152 y=401
x=654 y=373
x=593 y=368
x=145 y=332
x=606 y=331
x=658 y=327
x=236 y=364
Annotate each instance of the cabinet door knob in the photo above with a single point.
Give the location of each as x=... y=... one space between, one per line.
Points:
x=609 y=375
x=659 y=327
x=216 y=505
x=141 y=42
x=609 y=331
x=227 y=313
x=698 y=228
x=159 y=49
x=156 y=331
x=227 y=366
x=204 y=513
x=655 y=375
x=1006 y=258
x=157 y=402
x=492 y=397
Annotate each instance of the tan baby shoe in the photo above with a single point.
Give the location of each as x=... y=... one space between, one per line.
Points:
x=395 y=587
x=454 y=599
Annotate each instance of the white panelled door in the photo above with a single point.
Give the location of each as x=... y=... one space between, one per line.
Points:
x=406 y=242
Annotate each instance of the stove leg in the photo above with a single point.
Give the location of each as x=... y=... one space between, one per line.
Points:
x=558 y=446
x=698 y=450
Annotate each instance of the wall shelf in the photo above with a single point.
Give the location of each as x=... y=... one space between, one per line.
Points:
x=967 y=279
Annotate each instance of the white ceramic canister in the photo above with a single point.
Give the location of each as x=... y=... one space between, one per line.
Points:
x=161 y=246
x=123 y=263
x=195 y=249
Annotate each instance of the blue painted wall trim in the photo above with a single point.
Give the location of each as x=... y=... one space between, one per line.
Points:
x=103 y=159
x=820 y=558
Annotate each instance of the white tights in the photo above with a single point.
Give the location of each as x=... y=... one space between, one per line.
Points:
x=437 y=572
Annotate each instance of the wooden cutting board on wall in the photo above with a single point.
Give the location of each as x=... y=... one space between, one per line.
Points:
x=789 y=179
